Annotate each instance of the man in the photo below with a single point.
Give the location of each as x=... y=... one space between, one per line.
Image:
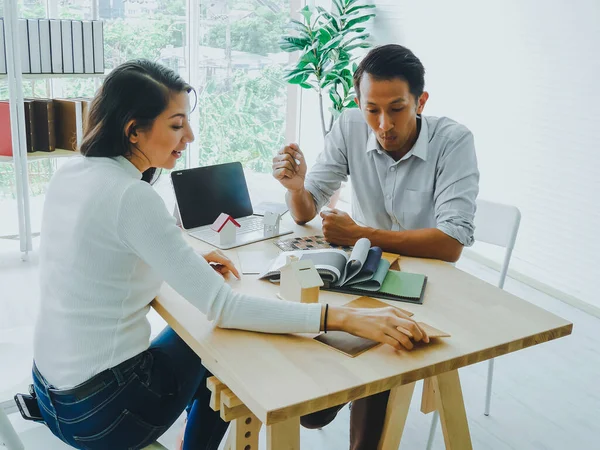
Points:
x=414 y=185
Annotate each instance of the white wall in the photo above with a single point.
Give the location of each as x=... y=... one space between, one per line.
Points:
x=523 y=75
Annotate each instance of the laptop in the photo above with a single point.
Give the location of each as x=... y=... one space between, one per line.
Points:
x=203 y=193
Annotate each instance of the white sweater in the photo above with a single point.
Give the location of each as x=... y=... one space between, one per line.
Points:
x=108 y=243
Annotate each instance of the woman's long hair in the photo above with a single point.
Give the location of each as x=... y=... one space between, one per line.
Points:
x=136 y=90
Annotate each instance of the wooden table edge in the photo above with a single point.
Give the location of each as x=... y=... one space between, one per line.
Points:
x=279 y=415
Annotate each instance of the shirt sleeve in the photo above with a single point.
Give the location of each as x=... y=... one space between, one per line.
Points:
x=147 y=229
x=331 y=168
x=456 y=189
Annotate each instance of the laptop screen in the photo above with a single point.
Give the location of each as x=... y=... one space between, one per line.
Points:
x=203 y=193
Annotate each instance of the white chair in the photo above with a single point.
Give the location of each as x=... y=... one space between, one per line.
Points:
x=495 y=224
x=8 y=436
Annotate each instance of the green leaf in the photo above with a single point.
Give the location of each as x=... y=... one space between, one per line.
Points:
x=307 y=13
x=299 y=27
x=359 y=19
x=302 y=71
x=338 y=6
x=335 y=97
x=310 y=58
x=361 y=37
x=358 y=8
x=354 y=67
x=361 y=45
x=350 y=3
x=332 y=43
x=324 y=36
x=305 y=85
x=298 y=79
x=294 y=43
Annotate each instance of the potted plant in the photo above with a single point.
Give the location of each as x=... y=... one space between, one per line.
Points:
x=326 y=41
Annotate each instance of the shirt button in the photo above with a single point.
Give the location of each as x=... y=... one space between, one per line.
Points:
x=392 y=169
x=389 y=197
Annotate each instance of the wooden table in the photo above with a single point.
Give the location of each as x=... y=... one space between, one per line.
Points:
x=275 y=379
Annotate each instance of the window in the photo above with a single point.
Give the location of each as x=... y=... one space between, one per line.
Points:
x=241 y=92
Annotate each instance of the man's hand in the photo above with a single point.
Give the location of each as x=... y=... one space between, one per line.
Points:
x=289 y=167
x=221 y=263
x=339 y=228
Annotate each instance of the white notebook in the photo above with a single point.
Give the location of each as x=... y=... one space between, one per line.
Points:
x=88 y=47
x=24 y=44
x=2 y=48
x=77 y=46
x=45 y=50
x=56 y=46
x=35 y=59
x=67 y=47
x=98 y=28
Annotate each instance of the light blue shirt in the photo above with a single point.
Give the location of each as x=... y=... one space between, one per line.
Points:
x=434 y=185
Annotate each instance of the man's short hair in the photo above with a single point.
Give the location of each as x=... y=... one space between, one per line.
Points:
x=392 y=61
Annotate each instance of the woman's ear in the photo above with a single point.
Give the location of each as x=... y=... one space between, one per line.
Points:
x=131 y=132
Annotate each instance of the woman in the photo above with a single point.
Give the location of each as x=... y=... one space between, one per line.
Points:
x=108 y=243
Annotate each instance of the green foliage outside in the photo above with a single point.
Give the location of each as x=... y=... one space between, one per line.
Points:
x=246 y=124
x=256 y=33
x=243 y=120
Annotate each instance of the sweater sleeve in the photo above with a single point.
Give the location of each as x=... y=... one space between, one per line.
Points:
x=147 y=229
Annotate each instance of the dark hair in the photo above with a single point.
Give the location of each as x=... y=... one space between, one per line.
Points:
x=392 y=61
x=138 y=89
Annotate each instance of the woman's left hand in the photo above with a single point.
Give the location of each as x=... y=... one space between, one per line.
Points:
x=221 y=263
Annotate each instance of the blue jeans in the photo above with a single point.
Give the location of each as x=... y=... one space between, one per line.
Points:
x=132 y=404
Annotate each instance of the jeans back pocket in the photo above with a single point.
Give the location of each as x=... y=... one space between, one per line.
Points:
x=127 y=432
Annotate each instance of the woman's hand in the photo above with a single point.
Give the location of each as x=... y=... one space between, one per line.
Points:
x=221 y=263
x=386 y=325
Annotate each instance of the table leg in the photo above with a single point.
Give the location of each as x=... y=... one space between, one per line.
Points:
x=243 y=433
x=395 y=417
x=450 y=404
x=284 y=435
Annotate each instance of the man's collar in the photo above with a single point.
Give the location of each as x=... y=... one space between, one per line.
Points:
x=419 y=149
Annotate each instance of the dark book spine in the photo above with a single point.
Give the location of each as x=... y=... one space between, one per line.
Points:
x=51 y=130
x=42 y=133
x=30 y=126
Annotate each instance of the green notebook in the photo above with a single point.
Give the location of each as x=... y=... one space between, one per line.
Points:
x=401 y=286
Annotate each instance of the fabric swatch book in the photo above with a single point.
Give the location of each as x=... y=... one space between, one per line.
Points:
x=354 y=345
x=363 y=272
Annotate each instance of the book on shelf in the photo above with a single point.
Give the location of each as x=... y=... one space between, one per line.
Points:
x=24 y=45
x=363 y=272
x=29 y=125
x=45 y=138
x=77 y=28
x=45 y=47
x=56 y=45
x=88 y=47
x=5 y=133
x=68 y=122
x=67 y=46
x=98 y=29
x=2 y=48
x=35 y=57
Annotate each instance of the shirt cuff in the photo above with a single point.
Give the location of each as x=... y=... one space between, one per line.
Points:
x=462 y=232
x=319 y=197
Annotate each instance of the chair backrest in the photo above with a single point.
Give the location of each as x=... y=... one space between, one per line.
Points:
x=498 y=224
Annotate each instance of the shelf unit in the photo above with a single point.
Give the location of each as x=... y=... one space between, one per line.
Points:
x=45 y=76
x=20 y=156
x=36 y=156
